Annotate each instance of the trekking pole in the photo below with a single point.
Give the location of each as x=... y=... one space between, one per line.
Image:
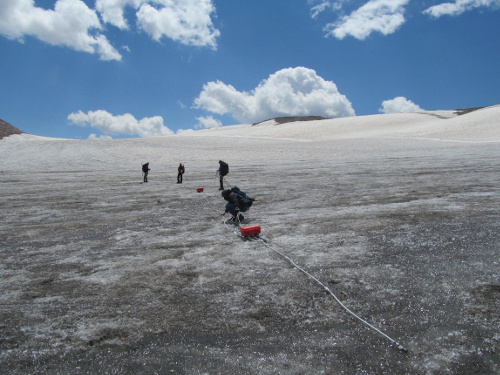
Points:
x=216 y=176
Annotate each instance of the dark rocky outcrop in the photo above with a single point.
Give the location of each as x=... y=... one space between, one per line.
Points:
x=284 y=120
x=464 y=111
x=7 y=129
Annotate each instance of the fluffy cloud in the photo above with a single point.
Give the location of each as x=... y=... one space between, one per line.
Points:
x=112 y=11
x=185 y=21
x=399 y=104
x=71 y=24
x=459 y=7
x=207 y=123
x=122 y=124
x=288 y=92
x=383 y=16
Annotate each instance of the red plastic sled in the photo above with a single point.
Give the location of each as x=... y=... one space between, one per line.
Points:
x=199 y=190
x=251 y=230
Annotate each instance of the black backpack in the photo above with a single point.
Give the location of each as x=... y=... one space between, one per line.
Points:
x=224 y=168
x=243 y=198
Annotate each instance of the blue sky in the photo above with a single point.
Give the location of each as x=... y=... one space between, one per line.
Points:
x=137 y=68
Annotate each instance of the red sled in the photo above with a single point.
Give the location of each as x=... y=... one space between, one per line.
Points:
x=251 y=230
x=199 y=190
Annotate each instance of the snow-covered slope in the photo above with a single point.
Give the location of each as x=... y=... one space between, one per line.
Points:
x=480 y=125
x=398 y=214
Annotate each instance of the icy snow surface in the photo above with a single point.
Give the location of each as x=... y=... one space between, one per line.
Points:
x=397 y=214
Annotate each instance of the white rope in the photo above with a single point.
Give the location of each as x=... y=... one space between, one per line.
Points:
x=264 y=241
x=399 y=346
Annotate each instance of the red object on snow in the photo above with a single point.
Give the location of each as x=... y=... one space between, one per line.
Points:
x=199 y=190
x=251 y=230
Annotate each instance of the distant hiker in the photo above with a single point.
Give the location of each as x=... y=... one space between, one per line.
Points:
x=145 y=170
x=180 y=172
x=238 y=201
x=223 y=171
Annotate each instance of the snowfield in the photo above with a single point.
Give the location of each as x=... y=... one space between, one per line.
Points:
x=398 y=215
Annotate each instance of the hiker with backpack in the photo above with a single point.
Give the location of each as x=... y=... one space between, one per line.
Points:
x=223 y=171
x=238 y=201
x=145 y=170
x=180 y=172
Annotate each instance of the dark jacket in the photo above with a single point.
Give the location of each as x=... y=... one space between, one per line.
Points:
x=223 y=168
x=231 y=197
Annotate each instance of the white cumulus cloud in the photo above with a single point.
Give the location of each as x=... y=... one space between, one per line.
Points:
x=112 y=11
x=383 y=16
x=207 y=123
x=289 y=92
x=71 y=23
x=459 y=6
x=186 y=21
x=399 y=104
x=122 y=124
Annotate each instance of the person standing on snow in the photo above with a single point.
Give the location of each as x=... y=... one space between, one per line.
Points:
x=145 y=170
x=223 y=171
x=180 y=172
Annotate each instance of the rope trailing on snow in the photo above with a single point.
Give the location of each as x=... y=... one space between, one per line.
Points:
x=397 y=344
x=287 y=258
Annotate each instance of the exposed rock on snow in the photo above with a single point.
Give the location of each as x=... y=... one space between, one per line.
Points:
x=7 y=129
